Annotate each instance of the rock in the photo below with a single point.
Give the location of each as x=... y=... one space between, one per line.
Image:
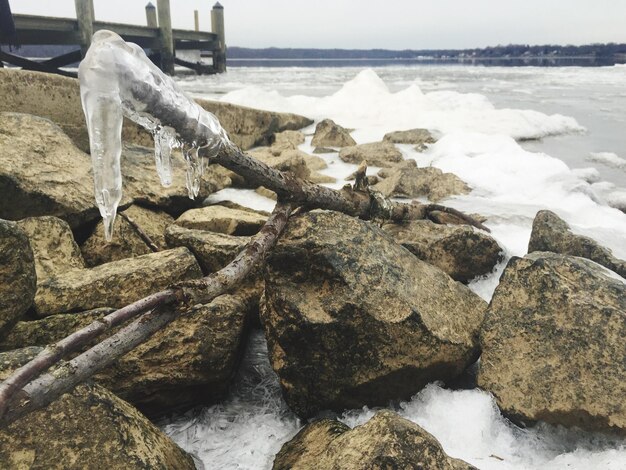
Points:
x=551 y=233
x=323 y=150
x=268 y=193
x=289 y=160
x=353 y=319
x=375 y=154
x=53 y=244
x=50 y=329
x=406 y=180
x=127 y=242
x=458 y=250
x=88 y=427
x=213 y=250
x=288 y=140
x=329 y=134
x=418 y=137
x=18 y=278
x=58 y=99
x=190 y=362
x=142 y=184
x=386 y=441
x=42 y=172
x=553 y=343
x=114 y=284
x=222 y=220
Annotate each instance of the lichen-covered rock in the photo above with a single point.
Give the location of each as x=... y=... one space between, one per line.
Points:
x=127 y=241
x=42 y=172
x=58 y=99
x=88 y=427
x=381 y=154
x=406 y=180
x=53 y=244
x=222 y=220
x=418 y=137
x=142 y=183
x=551 y=233
x=458 y=250
x=288 y=140
x=553 y=343
x=114 y=284
x=18 y=278
x=213 y=250
x=386 y=441
x=329 y=134
x=50 y=329
x=190 y=362
x=353 y=319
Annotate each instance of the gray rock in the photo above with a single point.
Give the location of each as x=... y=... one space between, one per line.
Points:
x=42 y=172
x=88 y=427
x=329 y=134
x=381 y=154
x=127 y=241
x=408 y=181
x=553 y=343
x=114 y=284
x=418 y=137
x=551 y=233
x=53 y=244
x=18 y=278
x=386 y=441
x=458 y=250
x=354 y=319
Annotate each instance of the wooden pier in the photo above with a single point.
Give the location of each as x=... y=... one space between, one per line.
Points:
x=157 y=36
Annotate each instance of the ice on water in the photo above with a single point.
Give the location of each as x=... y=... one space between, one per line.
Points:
x=110 y=76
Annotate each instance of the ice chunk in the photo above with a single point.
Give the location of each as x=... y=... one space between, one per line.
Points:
x=117 y=79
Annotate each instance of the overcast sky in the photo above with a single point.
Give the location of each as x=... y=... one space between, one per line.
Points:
x=386 y=24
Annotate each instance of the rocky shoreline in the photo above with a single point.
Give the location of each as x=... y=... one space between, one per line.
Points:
x=355 y=313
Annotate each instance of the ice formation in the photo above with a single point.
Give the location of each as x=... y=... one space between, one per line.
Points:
x=112 y=75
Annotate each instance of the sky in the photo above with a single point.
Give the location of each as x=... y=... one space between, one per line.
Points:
x=384 y=24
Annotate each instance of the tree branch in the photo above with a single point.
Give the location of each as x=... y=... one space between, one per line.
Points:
x=46 y=388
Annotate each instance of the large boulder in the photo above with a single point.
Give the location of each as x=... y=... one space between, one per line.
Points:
x=417 y=137
x=114 y=284
x=141 y=181
x=553 y=343
x=222 y=219
x=42 y=172
x=190 y=362
x=18 y=278
x=88 y=427
x=408 y=181
x=53 y=244
x=353 y=319
x=329 y=134
x=131 y=228
x=58 y=99
x=460 y=251
x=381 y=154
x=551 y=233
x=386 y=441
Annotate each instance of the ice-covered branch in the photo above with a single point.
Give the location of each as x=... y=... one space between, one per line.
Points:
x=109 y=75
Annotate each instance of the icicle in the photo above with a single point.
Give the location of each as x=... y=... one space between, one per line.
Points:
x=194 y=170
x=115 y=78
x=164 y=142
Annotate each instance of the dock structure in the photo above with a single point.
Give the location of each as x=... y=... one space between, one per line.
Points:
x=158 y=37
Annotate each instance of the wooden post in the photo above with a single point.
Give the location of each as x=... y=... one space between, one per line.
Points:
x=217 y=25
x=85 y=16
x=151 y=16
x=167 y=39
x=196 y=20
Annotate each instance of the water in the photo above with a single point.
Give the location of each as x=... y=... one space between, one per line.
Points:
x=524 y=139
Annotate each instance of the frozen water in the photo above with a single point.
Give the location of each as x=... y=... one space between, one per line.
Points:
x=116 y=78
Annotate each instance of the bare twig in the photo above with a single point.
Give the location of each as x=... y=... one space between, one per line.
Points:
x=22 y=397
